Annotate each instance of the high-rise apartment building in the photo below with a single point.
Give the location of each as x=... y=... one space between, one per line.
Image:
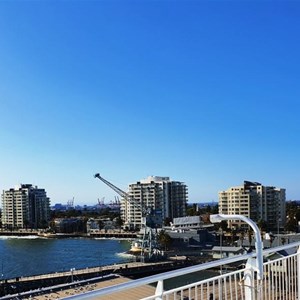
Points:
x=156 y=197
x=25 y=206
x=255 y=201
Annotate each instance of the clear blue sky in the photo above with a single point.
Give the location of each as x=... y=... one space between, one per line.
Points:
x=206 y=92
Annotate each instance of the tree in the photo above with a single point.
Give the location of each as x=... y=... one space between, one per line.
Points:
x=250 y=237
x=81 y=223
x=291 y=225
x=26 y=224
x=233 y=235
x=100 y=224
x=164 y=240
x=52 y=226
x=191 y=211
x=262 y=225
x=224 y=225
x=72 y=213
x=119 y=222
x=215 y=209
x=194 y=210
x=167 y=221
x=43 y=224
x=208 y=208
x=242 y=237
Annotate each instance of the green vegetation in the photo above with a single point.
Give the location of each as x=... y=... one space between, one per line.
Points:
x=195 y=210
x=292 y=216
x=164 y=240
x=74 y=213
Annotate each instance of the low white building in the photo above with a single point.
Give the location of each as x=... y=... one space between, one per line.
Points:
x=95 y=225
x=92 y=225
x=183 y=223
x=219 y=252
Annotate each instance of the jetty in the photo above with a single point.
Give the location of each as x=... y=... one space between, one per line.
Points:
x=131 y=270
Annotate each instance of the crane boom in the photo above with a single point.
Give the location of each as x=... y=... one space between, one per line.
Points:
x=116 y=189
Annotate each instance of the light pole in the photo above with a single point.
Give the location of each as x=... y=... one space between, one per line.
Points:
x=279 y=220
x=72 y=271
x=258 y=242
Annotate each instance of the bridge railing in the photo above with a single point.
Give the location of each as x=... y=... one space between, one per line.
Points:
x=280 y=280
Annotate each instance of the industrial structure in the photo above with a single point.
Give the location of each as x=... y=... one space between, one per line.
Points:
x=147 y=203
x=25 y=206
x=255 y=201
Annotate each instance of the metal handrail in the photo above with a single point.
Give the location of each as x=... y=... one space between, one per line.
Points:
x=176 y=273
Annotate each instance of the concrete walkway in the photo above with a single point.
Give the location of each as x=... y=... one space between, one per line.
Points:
x=132 y=294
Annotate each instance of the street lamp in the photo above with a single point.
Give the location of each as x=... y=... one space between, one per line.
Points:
x=279 y=220
x=72 y=272
x=258 y=242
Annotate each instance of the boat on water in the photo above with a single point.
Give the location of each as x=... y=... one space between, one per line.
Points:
x=146 y=250
x=137 y=247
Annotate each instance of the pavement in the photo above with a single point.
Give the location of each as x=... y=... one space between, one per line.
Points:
x=131 y=294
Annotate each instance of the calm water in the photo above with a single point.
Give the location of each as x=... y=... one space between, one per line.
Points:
x=33 y=256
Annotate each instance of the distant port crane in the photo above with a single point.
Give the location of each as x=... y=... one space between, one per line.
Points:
x=70 y=203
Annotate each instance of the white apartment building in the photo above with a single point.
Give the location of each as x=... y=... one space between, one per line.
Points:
x=255 y=201
x=25 y=206
x=156 y=198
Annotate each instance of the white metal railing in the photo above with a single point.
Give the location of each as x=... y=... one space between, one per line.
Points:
x=280 y=280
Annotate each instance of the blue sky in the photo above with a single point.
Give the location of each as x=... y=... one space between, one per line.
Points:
x=206 y=92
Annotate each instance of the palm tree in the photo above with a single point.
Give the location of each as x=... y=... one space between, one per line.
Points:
x=250 y=237
x=119 y=222
x=100 y=224
x=164 y=239
x=26 y=223
x=233 y=235
x=242 y=237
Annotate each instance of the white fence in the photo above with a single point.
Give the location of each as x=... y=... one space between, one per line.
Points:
x=280 y=280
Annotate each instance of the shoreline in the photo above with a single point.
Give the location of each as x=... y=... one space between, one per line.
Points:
x=98 y=235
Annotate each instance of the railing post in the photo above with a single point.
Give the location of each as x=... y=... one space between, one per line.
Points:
x=298 y=272
x=159 y=290
x=248 y=283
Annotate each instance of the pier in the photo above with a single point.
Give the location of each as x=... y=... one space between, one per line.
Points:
x=130 y=270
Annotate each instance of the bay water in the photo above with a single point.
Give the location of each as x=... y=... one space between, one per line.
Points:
x=26 y=256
